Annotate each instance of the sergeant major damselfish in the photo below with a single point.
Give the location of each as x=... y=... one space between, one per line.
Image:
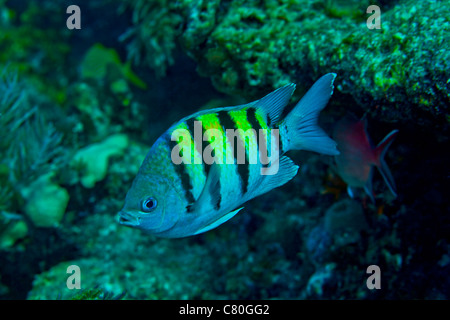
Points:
x=175 y=199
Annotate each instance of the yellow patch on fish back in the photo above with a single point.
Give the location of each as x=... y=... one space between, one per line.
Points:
x=246 y=133
x=214 y=133
x=194 y=169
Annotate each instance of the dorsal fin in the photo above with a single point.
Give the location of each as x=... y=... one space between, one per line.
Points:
x=273 y=104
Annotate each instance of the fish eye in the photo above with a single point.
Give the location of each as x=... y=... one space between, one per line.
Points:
x=149 y=204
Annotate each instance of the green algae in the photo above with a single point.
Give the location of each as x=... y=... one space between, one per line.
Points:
x=160 y=30
x=97 y=294
x=397 y=73
x=33 y=51
x=95 y=157
x=99 y=61
x=12 y=228
x=46 y=202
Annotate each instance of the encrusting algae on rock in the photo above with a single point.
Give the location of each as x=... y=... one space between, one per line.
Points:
x=46 y=202
x=94 y=158
x=398 y=73
x=12 y=230
x=99 y=60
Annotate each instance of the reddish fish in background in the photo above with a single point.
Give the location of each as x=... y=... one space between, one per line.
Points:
x=358 y=156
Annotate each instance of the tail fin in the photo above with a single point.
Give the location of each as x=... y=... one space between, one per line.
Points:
x=380 y=152
x=301 y=123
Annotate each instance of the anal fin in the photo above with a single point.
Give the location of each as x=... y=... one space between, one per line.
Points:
x=219 y=221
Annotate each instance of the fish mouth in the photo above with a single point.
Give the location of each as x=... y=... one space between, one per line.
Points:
x=127 y=219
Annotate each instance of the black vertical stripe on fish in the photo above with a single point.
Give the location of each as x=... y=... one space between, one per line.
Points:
x=243 y=169
x=251 y=118
x=191 y=128
x=183 y=174
x=216 y=189
x=213 y=187
x=227 y=123
x=280 y=140
x=190 y=123
x=206 y=166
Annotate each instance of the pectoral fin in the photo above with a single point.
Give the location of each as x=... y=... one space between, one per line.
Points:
x=210 y=196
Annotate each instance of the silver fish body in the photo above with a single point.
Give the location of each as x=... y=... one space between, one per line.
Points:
x=178 y=193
